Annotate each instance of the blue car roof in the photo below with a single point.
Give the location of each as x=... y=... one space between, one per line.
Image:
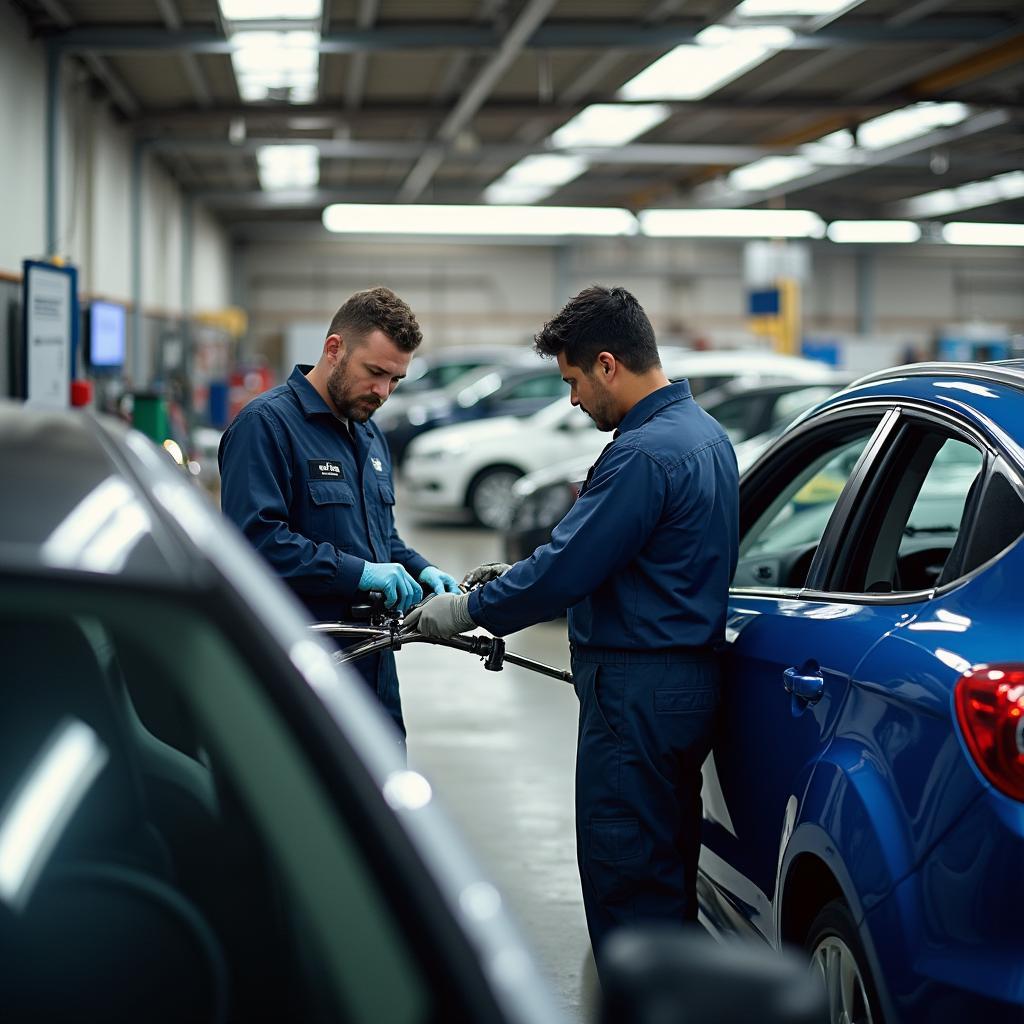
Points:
x=990 y=395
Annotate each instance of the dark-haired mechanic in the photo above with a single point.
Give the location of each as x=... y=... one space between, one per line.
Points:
x=306 y=476
x=643 y=562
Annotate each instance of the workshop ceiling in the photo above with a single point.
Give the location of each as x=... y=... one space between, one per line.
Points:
x=435 y=102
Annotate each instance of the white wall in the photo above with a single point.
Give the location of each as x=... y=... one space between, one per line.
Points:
x=23 y=130
x=94 y=208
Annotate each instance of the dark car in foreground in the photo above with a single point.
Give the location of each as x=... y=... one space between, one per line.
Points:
x=204 y=818
x=865 y=795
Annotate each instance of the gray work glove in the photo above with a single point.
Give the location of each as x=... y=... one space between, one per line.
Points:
x=442 y=615
x=484 y=573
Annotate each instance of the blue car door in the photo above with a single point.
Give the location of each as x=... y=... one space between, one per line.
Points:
x=809 y=606
x=789 y=659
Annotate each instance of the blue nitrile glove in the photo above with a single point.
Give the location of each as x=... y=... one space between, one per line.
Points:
x=438 y=581
x=401 y=591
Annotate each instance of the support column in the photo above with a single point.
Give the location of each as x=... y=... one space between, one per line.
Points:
x=53 y=107
x=865 y=291
x=136 y=258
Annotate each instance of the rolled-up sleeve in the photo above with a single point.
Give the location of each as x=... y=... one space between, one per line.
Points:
x=256 y=494
x=610 y=522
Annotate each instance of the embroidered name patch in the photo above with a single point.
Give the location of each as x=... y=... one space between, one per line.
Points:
x=324 y=469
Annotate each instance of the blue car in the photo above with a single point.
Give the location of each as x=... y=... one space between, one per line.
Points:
x=865 y=795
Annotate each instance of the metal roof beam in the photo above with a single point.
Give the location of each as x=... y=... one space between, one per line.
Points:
x=190 y=64
x=622 y=35
x=638 y=154
x=527 y=22
x=355 y=84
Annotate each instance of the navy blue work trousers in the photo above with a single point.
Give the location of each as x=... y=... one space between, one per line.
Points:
x=645 y=728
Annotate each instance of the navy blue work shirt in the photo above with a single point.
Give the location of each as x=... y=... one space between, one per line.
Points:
x=644 y=559
x=314 y=498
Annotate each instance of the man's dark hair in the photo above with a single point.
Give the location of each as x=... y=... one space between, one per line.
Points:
x=378 y=309
x=601 y=320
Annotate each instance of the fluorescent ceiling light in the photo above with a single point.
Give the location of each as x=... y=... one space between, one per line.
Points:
x=965 y=233
x=791 y=8
x=908 y=123
x=883 y=231
x=276 y=65
x=691 y=72
x=277 y=10
x=609 y=124
x=478 y=220
x=966 y=197
x=288 y=167
x=731 y=224
x=511 y=193
x=771 y=170
x=535 y=177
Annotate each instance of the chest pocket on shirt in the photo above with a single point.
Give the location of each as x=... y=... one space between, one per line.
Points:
x=387 y=492
x=331 y=510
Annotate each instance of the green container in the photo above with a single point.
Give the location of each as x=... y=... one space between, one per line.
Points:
x=149 y=415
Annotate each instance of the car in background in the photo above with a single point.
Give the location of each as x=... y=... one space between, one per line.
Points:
x=864 y=798
x=430 y=373
x=473 y=468
x=489 y=391
x=753 y=413
x=203 y=817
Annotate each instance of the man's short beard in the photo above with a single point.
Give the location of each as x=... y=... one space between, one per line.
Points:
x=602 y=414
x=349 y=406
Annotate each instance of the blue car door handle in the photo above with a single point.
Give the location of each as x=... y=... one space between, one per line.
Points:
x=806 y=688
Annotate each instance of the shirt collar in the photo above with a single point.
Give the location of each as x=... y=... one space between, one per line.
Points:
x=310 y=400
x=652 y=404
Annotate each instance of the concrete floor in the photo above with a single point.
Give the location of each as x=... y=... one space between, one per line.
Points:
x=499 y=749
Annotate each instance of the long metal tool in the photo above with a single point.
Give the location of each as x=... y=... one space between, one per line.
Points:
x=390 y=636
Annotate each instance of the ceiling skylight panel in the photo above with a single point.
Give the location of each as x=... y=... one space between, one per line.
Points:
x=288 y=167
x=693 y=71
x=267 y=10
x=276 y=65
x=792 y=8
x=769 y=171
x=968 y=196
x=609 y=124
x=908 y=123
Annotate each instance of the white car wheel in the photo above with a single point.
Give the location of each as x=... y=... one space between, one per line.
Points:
x=490 y=496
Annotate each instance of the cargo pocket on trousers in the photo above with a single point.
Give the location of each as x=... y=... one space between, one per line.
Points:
x=614 y=856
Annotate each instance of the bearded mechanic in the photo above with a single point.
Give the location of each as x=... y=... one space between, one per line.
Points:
x=306 y=476
x=643 y=562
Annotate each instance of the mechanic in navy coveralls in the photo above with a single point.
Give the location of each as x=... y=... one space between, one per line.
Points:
x=306 y=476
x=643 y=562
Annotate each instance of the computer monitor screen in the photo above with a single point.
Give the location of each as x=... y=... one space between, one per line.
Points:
x=106 y=335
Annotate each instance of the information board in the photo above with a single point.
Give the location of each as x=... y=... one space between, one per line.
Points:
x=50 y=333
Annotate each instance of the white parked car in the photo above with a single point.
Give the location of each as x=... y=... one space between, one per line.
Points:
x=473 y=466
